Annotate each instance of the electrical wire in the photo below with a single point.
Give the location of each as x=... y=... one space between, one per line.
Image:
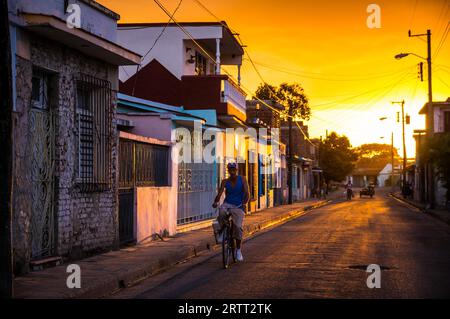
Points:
x=306 y=76
x=442 y=41
x=154 y=44
x=283 y=113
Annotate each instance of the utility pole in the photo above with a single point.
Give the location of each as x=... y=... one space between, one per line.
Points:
x=392 y=161
x=430 y=117
x=290 y=157
x=402 y=103
x=6 y=145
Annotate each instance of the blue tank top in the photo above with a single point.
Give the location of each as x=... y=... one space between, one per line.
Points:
x=234 y=195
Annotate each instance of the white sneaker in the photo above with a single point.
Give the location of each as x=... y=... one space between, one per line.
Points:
x=239 y=256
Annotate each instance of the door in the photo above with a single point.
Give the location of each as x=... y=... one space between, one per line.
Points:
x=126 y=216
x=42 y=141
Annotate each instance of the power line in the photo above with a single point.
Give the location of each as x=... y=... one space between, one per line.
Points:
x=305 y=75
x=443 y=82
x=251 y=60
x=443 y=39
x=163 y=30
x=304 y=134
x=171 y=16
x=402 y=76
x=231 y=76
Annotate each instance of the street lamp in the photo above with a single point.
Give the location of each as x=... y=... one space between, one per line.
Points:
x=404 y=55
x=430 y=116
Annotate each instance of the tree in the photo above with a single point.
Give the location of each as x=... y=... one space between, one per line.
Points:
x=291 y=96
x=337 y=157
x=266 y=92
x=375 y=155
x=295 y=102
x=436 y=151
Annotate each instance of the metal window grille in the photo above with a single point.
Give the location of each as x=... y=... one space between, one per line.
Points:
x=142 y=164
x=94 y=114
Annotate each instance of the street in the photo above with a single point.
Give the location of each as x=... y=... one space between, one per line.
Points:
x=323 y=254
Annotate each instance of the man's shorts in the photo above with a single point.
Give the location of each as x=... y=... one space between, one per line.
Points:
x=237 y=215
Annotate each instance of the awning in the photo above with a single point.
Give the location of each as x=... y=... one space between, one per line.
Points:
x=232 y=121
x=56 y=29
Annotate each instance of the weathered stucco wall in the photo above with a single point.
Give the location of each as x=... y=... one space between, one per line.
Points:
x=156 y=211
x=84 y=222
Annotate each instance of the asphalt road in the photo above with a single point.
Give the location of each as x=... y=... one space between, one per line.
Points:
x=323 y=254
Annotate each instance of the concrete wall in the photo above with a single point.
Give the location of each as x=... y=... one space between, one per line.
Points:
x=156 y=211
x=92 y=20
x=155 y=207
x=150 y=126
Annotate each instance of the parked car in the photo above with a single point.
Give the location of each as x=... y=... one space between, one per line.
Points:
x=367 y=191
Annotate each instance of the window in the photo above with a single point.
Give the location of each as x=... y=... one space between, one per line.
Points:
x=200 y=64
x=93 y=128
x=39 y=90
x=151 y=165
x=447 y=122
x=143 y=165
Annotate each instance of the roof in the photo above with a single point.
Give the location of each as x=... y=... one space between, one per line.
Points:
x=172 y=24
x=88 y=43
x=142 y=25
x=150 y=106
x=102 y=8
x=252 y=104
x=442 y=103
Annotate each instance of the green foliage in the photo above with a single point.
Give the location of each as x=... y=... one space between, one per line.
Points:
x=291 y=96
x=437 y=152
x=375 y=155
x=337 y=157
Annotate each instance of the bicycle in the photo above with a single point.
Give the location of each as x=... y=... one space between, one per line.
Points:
x=228 y=242
x=349 y=194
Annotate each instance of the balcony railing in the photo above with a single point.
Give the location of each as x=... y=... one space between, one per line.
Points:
x=212 y=92
x=233 y=94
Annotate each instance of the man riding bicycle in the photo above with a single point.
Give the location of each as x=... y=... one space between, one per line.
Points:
x=236 y=198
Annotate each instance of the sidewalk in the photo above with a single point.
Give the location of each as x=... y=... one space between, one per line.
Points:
x=442 y=215
x=103 y=274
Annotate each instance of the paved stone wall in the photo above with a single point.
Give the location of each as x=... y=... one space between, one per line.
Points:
x=85 y=222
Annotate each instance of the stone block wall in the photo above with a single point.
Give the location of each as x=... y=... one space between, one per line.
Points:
x=85 y=222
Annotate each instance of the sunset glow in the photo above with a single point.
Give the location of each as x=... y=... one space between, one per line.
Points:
x=348 y=70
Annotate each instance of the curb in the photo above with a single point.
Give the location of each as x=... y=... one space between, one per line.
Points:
x=421 y=208
x=112 y=284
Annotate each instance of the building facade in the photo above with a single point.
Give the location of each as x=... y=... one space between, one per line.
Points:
x=65 y=146
x=425 y=174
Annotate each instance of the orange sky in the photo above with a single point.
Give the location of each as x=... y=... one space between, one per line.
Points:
x=348 y=70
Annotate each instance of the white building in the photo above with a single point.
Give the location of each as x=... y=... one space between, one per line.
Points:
x=194 y=54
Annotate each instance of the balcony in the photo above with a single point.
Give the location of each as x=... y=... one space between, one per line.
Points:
x=217 y=92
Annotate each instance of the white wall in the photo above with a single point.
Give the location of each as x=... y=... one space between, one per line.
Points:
x=170 y=48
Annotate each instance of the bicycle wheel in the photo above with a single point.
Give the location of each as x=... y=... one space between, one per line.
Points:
x=225 y=248
x=233 y=250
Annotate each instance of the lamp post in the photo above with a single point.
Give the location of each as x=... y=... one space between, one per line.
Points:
x=392 y=155
x=430 y=117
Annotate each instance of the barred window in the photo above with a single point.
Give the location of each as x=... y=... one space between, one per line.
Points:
x=93 y=127
x=143 y=165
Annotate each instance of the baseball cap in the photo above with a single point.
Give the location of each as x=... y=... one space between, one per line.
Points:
x=231 y=166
